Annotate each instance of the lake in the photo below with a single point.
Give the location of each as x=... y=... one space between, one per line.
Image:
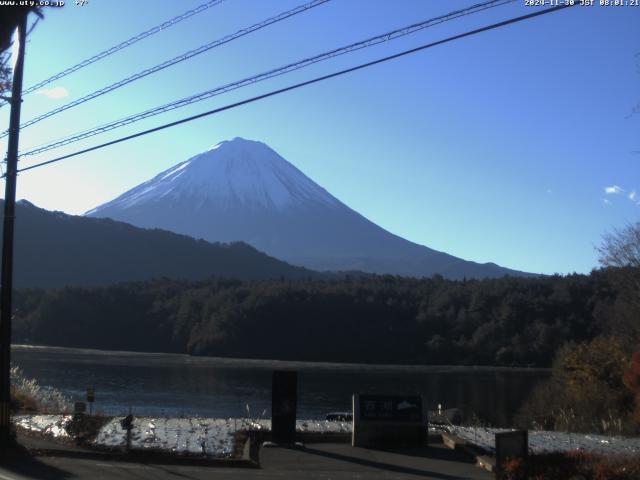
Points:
x=173 y=385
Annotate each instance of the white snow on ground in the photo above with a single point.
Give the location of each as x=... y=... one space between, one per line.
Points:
x=213 y=436
x=51 y=425
x=307 y=426
x=543 y=441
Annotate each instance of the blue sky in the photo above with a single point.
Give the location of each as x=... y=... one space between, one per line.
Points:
x=515 y=146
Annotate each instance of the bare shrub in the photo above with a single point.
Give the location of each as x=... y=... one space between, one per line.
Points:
x=28 y=395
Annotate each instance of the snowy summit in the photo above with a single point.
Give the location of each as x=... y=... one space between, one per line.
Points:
x=233 y=172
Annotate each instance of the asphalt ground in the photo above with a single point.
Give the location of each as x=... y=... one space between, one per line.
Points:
x=336 y=461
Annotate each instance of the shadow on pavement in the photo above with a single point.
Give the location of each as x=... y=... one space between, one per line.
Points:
x=28 y=466
x=172 y=473
x=381 y=465
x=431 y=452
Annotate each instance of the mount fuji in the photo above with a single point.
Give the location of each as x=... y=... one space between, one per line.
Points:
x=242 y=190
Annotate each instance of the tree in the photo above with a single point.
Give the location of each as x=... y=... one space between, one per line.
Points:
x=599 y=362
x=621 y=249
x=9 y=20
x=589 y=390
x=632 y=381
x=5 y=73
x=620 y=255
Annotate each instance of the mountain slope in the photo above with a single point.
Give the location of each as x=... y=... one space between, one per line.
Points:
x=53 y=249
x=243 y=190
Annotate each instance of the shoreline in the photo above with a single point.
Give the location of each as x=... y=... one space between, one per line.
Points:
x=160 y=357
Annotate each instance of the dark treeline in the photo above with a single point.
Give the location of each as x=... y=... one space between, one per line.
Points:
x=384 y=319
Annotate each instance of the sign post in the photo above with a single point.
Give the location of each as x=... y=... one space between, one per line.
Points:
x=388 y=420
x=79 y=408
x=91 y=397
x=127 y=424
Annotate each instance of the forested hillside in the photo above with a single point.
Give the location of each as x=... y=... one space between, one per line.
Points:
x=54 y=249
x=508 y=321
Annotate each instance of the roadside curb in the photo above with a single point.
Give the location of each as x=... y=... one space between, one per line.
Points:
x=483 y=460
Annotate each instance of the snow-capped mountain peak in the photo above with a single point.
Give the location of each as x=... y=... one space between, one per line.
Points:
x=231 y=173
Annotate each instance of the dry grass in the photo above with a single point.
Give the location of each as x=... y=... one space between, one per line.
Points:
x=28 y=396
x=578 y=465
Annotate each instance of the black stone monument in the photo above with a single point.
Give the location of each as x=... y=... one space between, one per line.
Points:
x=284 y=395
x=510 y=445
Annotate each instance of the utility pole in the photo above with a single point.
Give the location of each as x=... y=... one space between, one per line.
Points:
x=6 y=278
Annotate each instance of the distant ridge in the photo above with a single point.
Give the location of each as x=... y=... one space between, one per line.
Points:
x=243 y=190
x=53 y=249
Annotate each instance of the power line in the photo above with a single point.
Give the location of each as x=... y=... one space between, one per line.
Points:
x=303 y=84
x=385 y=37
x=99 y=56
x=180 y=58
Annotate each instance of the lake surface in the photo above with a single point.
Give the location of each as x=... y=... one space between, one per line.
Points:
x=174 y=385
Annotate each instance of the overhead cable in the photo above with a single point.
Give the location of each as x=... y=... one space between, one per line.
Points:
x=127 y=43
x=302 y=84
x=385 y=37
x=180 y=58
